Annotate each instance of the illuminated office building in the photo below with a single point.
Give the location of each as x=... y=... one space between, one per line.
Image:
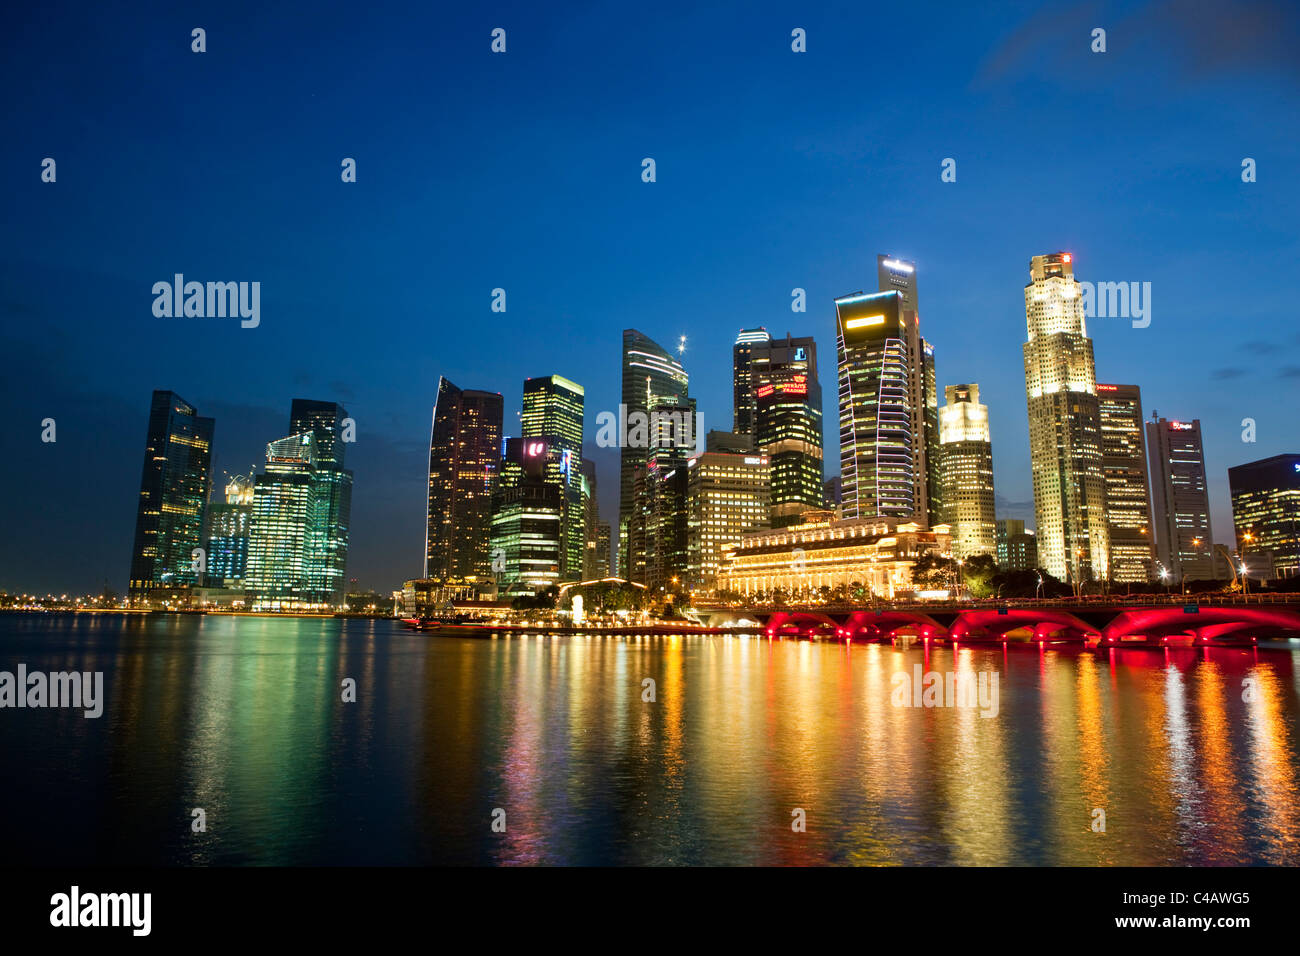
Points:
x=788 y=424
x=464 y=462
x=742 y=380
x=174 y=483
x=1128 y=495
x=1017 y=548
x=282 y=571
x=328 y=550
x=652 y=378
x=894 y=274
x=657 y=527
x=1065 y=444
x=1180 y=500
x=604 y=562
x=727 y=494
x=878 y=442
x=526 y=539
x=1266 y=506
x=553 y=410
x=228 y=526
x=966 y=472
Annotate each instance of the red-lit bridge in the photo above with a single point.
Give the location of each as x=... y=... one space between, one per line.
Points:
x=1096 y=622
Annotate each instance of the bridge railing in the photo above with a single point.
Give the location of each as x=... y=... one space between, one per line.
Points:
x=1098 y=601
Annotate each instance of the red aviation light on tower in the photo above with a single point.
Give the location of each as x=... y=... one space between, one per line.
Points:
x=1067 y=257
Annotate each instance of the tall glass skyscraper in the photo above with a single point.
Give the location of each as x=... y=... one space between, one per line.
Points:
x=527 y=520
x=1180 y=500
x=894 y=274
x=966 y=470
x=464 y=460
x=742 y=379
x=1266 y=506
x=228 y=525
x=553 y=410
x=652 y=379
x=1065 y=443
x=328 y=549
x=788 y=424
x=174 y=485
x=878 y=438
x=284 y=529
x=1128 y=493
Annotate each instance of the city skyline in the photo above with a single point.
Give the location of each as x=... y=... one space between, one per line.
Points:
x=806 y=207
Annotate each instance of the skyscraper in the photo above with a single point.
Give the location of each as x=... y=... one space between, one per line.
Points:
x=651 y=378
x=656 y=552
x=966 y=472
x=1128 y=494
x=742 y=380
x=464 y=460
x=228 y=524
x=527 y=521
x=1266 y=513
x=328 y=550
x=893 y=274
x=788 y=424
x=174 y=484
x=593 y=565
x=1180 y=500
x=878 y=441
x=1064 y=425
x=284 y=528
x=727 y=494
x=553 y=410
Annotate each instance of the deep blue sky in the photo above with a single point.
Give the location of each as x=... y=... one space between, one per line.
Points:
x=522 y=171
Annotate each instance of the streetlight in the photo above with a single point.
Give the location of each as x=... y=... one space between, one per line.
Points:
x=1245 y=580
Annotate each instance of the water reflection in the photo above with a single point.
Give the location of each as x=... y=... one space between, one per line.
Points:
x=1191 y=754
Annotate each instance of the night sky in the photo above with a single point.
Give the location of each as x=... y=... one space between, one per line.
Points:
x=522 y=171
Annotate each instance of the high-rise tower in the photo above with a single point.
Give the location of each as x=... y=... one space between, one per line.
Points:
x=965 y=466
x=1128 y=494
x=1180 y=499
x=742 y=379
x=878 y=438
x=788 y=425
x=174 y=486
x=553 y=410
x=1065 y=443
x=652 y=379
x=464 y=460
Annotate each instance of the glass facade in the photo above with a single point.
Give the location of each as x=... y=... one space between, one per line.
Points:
x=1128 y=497
x=464 y=462
x=1180 y=500
x=228 y=527
x=788 y=425
x=553 y=410
x=878 y=442
x=328 y=549
x=652 y=378
x=742 y=380
x=1065 y=444
x=174 y=484
x=282 y=575
x=1266 y=506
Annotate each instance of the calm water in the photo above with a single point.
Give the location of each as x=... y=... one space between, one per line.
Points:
x=244 y=718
